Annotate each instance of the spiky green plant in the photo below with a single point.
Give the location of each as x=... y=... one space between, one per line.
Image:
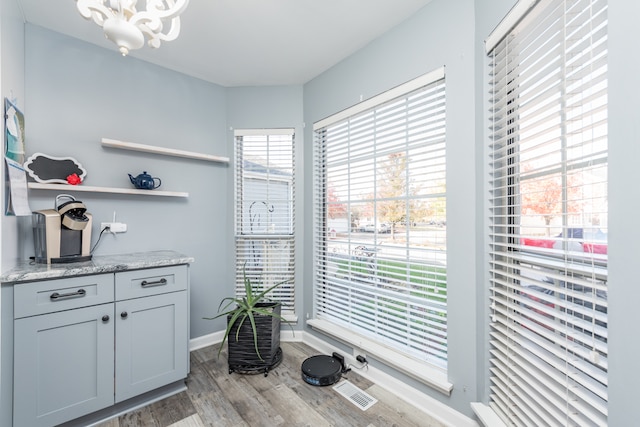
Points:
x=246 y=308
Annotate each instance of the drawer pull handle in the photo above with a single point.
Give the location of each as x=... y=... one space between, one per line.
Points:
x=124 y=314
x=77 y=294
x=160 y=282
x=105 y=318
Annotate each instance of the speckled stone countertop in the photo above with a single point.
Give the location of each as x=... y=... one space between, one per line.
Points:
x=28 y=271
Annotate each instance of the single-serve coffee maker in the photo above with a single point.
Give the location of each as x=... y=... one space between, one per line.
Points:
x=63 y=234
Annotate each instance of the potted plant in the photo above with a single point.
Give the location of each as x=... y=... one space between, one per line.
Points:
x=253 y=329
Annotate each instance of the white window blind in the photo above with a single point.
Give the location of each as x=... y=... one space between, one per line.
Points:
x=380 y=219
x=264 y=212
x=548 y=235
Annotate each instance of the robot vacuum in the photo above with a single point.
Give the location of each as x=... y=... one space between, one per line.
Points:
x=322 y=370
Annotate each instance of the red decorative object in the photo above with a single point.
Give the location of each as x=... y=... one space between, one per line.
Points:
x=74 y=179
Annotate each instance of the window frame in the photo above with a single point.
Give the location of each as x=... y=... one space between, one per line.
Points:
x=424 y=371
x=547 y=294
x=277 y=243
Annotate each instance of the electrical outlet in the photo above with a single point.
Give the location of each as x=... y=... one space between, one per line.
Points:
x=114 y=227
x=118 y=227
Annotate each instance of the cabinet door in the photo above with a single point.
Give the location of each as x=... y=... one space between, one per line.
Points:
x=63 y=365
x=151 y=343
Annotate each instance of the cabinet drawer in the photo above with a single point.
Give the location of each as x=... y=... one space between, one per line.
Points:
x=49 y=296
x=152 y=281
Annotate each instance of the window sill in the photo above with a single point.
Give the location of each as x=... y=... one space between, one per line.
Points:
x=486 y=415
x=291 y=318
x=426 y=374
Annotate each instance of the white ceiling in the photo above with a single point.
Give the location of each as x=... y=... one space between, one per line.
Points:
x=248 y=42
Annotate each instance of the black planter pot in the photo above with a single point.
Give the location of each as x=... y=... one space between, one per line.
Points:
x=242 y=352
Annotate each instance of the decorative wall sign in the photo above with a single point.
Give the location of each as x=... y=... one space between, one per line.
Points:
x=14 y=124
x=49 y=169
x=16 y=200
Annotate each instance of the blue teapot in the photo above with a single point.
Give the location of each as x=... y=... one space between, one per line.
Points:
x=144 y=181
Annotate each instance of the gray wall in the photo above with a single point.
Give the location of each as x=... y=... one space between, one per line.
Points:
x=624 y=202
x=77 y=94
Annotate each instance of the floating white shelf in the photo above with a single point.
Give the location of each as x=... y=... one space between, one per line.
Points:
x=89 y=189
x=113 y=143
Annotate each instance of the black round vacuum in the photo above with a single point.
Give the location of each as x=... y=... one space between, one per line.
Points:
x=321 y=370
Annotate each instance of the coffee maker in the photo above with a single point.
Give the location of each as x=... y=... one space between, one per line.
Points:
x=63 y=234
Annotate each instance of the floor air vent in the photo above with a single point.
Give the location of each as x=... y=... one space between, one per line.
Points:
x=354 y=395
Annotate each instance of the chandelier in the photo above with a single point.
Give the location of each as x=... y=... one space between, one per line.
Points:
x=128 y=28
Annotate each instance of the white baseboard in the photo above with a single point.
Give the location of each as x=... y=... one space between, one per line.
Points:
x=421 y=401
x=205 y=340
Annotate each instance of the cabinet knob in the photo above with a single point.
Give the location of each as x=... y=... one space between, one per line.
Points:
x=124 y=314
x=105 y=318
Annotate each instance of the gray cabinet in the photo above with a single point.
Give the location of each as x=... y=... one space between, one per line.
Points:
x=82 y=344
x=63 y=365
x=151 y=324
x=63 y=349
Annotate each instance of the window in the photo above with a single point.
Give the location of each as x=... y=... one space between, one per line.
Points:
x=548 y=254
x=380 y=220
x=264 y=211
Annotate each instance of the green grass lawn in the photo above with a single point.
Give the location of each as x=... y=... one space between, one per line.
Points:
x=423 y=282
x=427 y=281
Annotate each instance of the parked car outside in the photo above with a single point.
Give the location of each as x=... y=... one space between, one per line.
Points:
x=371 y=228
x=596 y=241
x=566 y=295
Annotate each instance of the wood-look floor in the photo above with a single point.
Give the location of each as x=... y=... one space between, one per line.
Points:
x=218 y=399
